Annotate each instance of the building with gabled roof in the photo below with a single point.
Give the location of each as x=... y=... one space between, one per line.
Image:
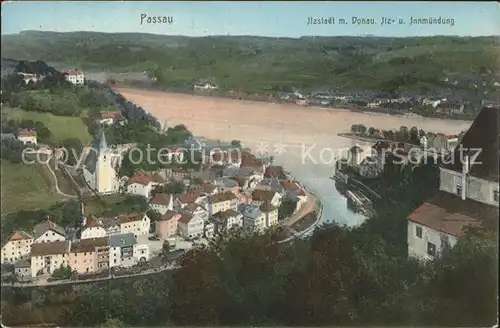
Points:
x=49 y=256
x=16 y=247
x=468 y=192
x=162 y=202
x=137 y=223
x=48 y=231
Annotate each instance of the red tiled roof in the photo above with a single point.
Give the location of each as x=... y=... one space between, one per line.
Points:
x=145 y=178
x=190 y=196
x=169 y=215
x=71 y=72
x=19 y=235
x=113 y=115
x=27 y=133
x=91 y=222
x=291 y=185
x=185 y=218
x=450 y=214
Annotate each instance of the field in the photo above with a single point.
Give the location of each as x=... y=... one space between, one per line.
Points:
x=25 y=187
x=61 y=127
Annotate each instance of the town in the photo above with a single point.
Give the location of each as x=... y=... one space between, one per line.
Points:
x=206 y=172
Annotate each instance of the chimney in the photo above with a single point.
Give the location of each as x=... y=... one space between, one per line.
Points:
x=465 y=172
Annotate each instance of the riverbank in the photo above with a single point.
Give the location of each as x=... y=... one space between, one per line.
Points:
x=258 y=124
x=274 y=99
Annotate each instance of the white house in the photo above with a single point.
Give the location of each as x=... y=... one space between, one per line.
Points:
x=191 y=226
x=226 y=220
x=74 y=76
x=17 y=246
x=253 y=218
x=432 y=102
x=142 y=184
x=292 y=192
x=92 y=228
x=468 y=192
x=122 y=250
x=141 y=252
x=191 y=196
x=444 y=143
x=135 y=223
x=48 y=231
x=162 y=203
x=270 y=214
x=27 y=137
x=109 y=118
x=47 y=257
x=221 y=202
x=205 y=86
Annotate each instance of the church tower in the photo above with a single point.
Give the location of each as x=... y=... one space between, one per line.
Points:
x=99 y=169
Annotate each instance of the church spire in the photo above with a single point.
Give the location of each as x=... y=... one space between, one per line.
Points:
x=100 y=142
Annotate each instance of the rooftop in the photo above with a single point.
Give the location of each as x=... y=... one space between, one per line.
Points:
x=88 y=245
x=222 y=197
x=450 y=214
x=45 y=226
x=122 y=240
x=224 y=215
x=161 y=199
x=50 y=248
x=482 y=135
x=130 y=217
x=168 y=215
x=263 y=195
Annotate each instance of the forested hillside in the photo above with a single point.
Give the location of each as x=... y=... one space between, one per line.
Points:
x=266 y=64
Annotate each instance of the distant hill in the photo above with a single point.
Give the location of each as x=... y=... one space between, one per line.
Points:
x=266 y=64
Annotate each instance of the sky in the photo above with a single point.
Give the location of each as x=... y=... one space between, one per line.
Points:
x=277 y=19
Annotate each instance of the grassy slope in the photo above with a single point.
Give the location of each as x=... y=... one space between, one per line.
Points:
x=61 y=127
x=259 y=63
x=25 y=187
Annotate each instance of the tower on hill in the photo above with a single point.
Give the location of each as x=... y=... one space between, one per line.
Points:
x=100 y=166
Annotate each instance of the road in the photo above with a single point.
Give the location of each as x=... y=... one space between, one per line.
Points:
x=309 y=206
x=72 y=282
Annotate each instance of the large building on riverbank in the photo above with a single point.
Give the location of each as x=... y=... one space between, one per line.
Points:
x=468 y=192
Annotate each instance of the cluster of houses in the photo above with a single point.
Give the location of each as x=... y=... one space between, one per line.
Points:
x=102 y=244
x=73 y=76
x=369 y=160
x=26 y=136
x=236 y=189
x=449 y=102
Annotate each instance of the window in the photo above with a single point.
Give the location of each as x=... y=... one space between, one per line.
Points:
x=495 y=196
x=418 y=232
x=431 y=249
x=459 y=190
